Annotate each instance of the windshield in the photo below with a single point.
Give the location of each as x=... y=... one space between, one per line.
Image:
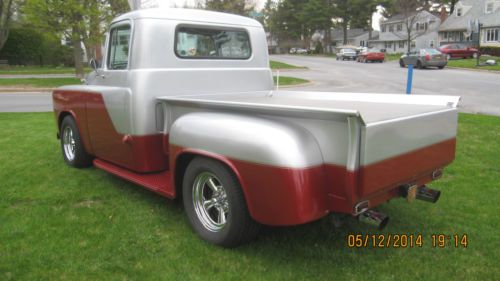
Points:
x=349 y=51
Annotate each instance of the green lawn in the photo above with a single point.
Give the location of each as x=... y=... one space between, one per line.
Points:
x=59 y=223
x=38 y=82
x=391 y=57
x=12 y=70
x=287 y=81
x=471 y=63
x=282 y=65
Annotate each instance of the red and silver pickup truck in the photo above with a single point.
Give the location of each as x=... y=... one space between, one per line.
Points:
x=184 y=105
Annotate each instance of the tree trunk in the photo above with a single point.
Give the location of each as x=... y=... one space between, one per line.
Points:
x=344 y=28
x=5 y=14
x=77 y=53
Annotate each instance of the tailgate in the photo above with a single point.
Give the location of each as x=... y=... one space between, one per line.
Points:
x=402 y=150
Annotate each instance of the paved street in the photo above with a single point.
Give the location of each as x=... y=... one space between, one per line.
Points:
x=480 y=91
x=25 y=102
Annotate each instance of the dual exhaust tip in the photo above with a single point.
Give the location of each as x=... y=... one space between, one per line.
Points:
x=380 y=220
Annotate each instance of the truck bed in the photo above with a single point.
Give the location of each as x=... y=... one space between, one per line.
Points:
x=372 y=108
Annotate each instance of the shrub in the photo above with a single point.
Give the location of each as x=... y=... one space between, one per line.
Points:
x=493 y=51
x=26 y=46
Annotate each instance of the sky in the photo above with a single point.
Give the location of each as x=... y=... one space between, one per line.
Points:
x=259 y=5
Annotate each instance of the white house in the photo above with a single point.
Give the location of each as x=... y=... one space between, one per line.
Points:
x=455 y=29
x=393 y=32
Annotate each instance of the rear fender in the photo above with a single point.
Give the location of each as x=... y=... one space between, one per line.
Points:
x=278 y=164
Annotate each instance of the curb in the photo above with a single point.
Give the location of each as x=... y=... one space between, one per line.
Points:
x=472 y=69
x=31 y=90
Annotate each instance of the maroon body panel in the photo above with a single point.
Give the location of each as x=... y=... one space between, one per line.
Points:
x=143 y=154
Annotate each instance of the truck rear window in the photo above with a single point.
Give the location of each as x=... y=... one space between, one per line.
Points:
x=211 y=43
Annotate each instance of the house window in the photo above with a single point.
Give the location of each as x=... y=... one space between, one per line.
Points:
x=391 y=28
x=413 y=44
x=388 y=45
x=401 y=44
x=491 y=35
x=383 y=28
x=417 y=27
x=362 y=43
x=445 y=35
x=399 y=27
x=431 y=43
x=425 y=25
x=489 y=8
x=459 y=12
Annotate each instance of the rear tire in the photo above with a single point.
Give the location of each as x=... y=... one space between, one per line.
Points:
x=215 y=204
x=440 y=67
x=72 y=146
x=419 y=65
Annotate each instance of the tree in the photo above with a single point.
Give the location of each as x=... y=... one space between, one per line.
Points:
x=6 y=9
x=240 y=7
x=83 y=21
x=411 y=12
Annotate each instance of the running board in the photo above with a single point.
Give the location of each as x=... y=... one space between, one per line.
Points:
x=160 y=182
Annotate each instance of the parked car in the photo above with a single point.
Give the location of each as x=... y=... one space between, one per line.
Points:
x=458 y=51
x=293 y=50
x=423 y=58
x=346 y=53
x=371 y=55
x=237 y=151
x=301 y=51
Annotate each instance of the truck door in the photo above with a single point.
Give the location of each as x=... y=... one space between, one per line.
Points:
x=108 y=112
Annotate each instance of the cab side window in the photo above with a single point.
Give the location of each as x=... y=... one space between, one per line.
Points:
x=119 y=47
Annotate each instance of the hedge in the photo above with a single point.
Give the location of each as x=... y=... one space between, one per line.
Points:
x=26 y=46
x=493 y=51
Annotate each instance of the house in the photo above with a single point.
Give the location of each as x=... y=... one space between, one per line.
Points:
x=456 y=28
x=355 y=37
x=393 y=32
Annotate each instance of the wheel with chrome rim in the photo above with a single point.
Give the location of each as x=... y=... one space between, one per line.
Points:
x=71 y=144
x=215 y=204
x=210 y=201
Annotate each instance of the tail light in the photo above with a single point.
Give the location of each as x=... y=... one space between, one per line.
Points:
x=427 y=57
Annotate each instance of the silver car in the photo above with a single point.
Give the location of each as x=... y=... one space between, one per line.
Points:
x=423 y=58
x=346 y=53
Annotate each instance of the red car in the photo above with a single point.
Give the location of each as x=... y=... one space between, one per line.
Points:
x=371 y=55
x=458 y=51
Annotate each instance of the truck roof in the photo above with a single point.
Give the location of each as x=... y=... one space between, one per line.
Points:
x=189 y=15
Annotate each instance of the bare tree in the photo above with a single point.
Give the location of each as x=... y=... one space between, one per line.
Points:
x=411 y=13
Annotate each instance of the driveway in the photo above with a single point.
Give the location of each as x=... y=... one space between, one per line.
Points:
x=480 y=91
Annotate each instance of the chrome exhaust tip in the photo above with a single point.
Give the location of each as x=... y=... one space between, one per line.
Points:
x=374 y=218
x=428 y=194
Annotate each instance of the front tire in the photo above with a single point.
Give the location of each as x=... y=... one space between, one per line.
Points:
x=401 y=63
x=215 y=204
x=72 y=146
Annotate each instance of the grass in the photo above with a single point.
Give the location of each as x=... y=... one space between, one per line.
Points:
x=38 y=82
x=282 y=65
x=25 y=70
x=471 y=63
x=84 y=224
x=391 y=57
x=289 y=81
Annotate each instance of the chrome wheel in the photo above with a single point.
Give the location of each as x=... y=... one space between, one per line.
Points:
x=210 y=201
x=69 y=143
